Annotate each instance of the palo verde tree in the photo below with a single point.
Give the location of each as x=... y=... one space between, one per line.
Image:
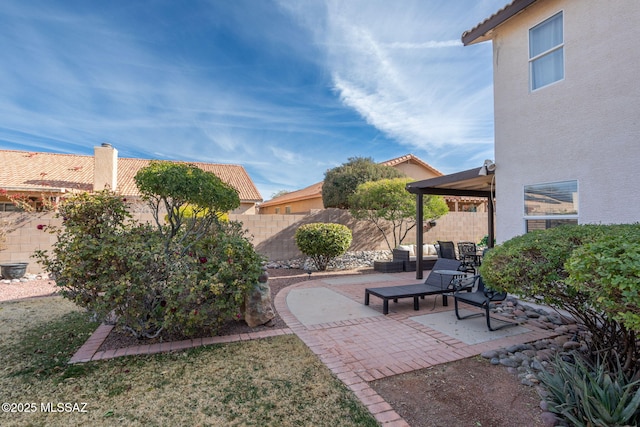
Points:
x=387 y=203
x=341 y=182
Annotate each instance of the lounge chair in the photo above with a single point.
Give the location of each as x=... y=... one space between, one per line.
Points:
x=435 y=284
x=481 y=297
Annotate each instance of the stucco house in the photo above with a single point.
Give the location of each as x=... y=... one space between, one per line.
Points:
x=567 y=115
x=309 y=199
x=52 y=175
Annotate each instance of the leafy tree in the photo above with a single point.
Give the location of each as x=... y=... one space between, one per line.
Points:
x=190 y=197
x=341 y=182
x=184 y=277
x=323 y=242
x=387 y=201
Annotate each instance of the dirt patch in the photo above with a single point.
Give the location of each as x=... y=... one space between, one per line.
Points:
x=468 y=392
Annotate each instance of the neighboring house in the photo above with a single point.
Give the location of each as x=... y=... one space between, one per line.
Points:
x=309 y=199
x=567 y=112
x=50 y=175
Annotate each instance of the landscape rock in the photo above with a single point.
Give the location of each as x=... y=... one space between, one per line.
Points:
x=258 y=307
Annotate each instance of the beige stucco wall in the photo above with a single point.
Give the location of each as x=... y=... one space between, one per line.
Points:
x=585 y=127
x=246 y=209
x=297 y=207
x=272 y=235
x=415 y=171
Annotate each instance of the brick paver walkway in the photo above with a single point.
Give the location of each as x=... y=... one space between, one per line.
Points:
x=358 y=350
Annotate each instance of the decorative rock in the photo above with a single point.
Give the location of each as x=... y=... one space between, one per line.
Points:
x=258 y=309
x=495 y=361
x=348 y=261
x=571 y=345
x=549 y=419
x=489 y=354
x=509 y=362
x=537 y=365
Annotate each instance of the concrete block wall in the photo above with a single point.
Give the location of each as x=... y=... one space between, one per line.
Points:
x=272 y=235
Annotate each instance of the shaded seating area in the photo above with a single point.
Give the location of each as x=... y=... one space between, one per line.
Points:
x=481 y=297
x=435 y=284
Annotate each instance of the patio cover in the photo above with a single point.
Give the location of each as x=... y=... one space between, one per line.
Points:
x=465 y=183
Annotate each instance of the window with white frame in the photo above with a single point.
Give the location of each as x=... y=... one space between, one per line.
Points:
x=546 y=52
x=550 y=204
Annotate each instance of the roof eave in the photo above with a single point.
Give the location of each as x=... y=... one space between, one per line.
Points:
x=446 y=185
x=482 y=31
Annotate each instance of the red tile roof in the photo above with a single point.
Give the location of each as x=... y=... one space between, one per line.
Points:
x=410 y=158
x=312 y=191
x=315 y=190
x=35 y=171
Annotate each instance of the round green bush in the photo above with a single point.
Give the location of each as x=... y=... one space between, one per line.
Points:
x=608 y=270
x=323 y=242
x=591 y=271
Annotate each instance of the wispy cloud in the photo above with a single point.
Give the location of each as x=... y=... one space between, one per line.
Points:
x=287 y=90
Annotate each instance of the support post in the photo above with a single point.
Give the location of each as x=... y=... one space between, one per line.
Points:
x=490 y=224
x=419 y=234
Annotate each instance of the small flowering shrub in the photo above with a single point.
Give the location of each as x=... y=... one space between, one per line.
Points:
x=154 y=279
x=323 y=242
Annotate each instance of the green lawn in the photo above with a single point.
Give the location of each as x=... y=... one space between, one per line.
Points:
x=269 y=382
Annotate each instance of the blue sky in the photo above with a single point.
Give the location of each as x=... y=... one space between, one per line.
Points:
x=286 y=88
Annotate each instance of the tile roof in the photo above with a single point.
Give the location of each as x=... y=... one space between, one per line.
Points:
x=314 y=190
x=35 y=171
x=480 y=31
x=411 y=158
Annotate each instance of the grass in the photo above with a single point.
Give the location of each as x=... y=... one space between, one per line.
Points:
x=269 y=382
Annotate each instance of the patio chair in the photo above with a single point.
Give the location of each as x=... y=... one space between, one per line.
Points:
x=468 y=255
x=446 y=250
x=482 y=297
x=435 y=284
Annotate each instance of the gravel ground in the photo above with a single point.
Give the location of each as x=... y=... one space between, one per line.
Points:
x=28 y=289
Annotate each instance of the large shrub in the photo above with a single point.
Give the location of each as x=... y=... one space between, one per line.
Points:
x=608 y=270
x=323 y=242
x=572 y=268
x=109 y=264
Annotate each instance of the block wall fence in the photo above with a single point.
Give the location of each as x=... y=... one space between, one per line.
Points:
x=272 y=235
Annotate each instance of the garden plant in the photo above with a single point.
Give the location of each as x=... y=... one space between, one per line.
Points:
x=387 y=202
x=323 y=242
x=185 y=277
x=592 y=272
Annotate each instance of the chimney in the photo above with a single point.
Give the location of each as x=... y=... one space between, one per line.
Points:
x=105 y=168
